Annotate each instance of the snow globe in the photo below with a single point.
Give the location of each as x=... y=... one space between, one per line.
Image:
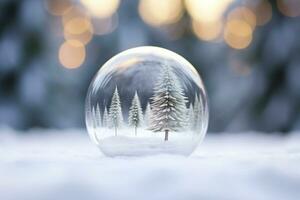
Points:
x=146 y=101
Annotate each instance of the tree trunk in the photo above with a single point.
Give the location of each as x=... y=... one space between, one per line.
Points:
x=166 y=135
x=135 y=131
x=115 y=130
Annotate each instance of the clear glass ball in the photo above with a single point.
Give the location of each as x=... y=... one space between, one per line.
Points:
x=146 y=101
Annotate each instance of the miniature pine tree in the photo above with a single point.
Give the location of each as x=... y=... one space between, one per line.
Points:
x=168 y=107
x=135 y=118
x=115 y=111
x=147 y=116
x=201 y=112
x=197 y=112
x=190 y=116
x=105 y=118
x=98 y=116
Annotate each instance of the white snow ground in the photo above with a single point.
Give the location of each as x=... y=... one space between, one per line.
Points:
x=137 y=146
x=146 y=142
x=47 y=165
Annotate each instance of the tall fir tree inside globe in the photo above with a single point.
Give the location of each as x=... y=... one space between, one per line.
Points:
x=169 y=104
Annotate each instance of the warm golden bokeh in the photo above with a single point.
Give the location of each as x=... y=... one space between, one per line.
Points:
x=238 y=34
x=263 y=12
x=58 y=7
x=207 y=31
x=290 y=8
x=244 y=14
x=77 y=25
x=74 y=12
x=84 y=37
x=101 y=8
x=72 y=54
x=160 y=12
x=207 y=10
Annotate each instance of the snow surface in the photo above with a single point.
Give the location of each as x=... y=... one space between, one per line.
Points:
x=146 y=142
x=43 y=165
x=139 y=146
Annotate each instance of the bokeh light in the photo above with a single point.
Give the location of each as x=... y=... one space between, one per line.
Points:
x=238 y=34
x=101 y=8
x=243 y=13
x=290 y=8
x=84 y=37
x=77 y=25
x=263 y=11
x=207 y=10
x=159 y=13
x=207 y=17
x=75 y=12
x=58 y=7
x=72 y=54
x=207 y=31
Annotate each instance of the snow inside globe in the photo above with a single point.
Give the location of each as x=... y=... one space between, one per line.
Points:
x=146 y=101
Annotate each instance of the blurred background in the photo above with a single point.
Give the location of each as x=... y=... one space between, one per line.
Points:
x=246 y=51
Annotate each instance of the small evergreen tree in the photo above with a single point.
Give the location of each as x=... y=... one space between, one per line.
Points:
x=197 y=112
x=168 y=107
x=115 y=111
x=98 y=116
x=190 y=117
x=105 y=118
x=135 y=118
x=201 y=112
x=148 y=114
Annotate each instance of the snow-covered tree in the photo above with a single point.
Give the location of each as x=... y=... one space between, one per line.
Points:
x=135 y=118
x=98 y=116
x=190 y=117
x=115 y=111
x=168 y=106
x=147 y=116
x=201 y=112
x=105 y=118
x=196 y=111
x=198 y=108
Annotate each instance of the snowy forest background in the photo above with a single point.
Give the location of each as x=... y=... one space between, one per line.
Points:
x=254 y=88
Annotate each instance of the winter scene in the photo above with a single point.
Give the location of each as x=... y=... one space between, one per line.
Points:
x=149 y=100
x=169 y=122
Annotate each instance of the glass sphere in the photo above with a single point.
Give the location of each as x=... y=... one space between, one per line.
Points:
x=146 y=101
